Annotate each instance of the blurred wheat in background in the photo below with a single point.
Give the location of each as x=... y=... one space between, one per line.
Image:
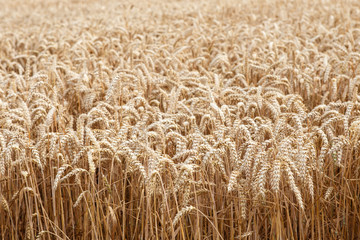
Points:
x=180 y=119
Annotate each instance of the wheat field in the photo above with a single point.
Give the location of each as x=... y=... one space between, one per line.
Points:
x=183 y=119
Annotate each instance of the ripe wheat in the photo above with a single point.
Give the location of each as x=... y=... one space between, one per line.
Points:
x=229 y=119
